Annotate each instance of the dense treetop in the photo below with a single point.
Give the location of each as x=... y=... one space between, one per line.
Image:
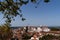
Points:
x=11 y=8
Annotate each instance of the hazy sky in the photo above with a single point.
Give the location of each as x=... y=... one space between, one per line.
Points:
x=44 y=14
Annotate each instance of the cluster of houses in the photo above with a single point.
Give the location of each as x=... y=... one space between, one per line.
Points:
x=40 y=31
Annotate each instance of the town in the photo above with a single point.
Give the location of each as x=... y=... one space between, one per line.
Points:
x=31 y=32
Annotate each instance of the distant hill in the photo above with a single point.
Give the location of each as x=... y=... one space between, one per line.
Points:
x=51 y=27
x=55 y=28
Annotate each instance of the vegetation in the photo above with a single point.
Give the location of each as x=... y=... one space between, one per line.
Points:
x=50 y=37
x=45 y=37
x=54 y=29
x=5 y=32
x=12 y=8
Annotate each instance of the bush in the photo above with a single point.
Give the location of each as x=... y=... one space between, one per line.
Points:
x=49 y=37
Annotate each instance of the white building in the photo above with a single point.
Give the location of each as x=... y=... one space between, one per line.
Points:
x=39 y=29
x=45 y=29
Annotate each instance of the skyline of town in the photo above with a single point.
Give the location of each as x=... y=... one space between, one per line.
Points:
x=29 y=20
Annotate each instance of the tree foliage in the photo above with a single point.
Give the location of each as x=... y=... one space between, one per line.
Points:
x=11 y=8
x=50 y=37
x=5 y=32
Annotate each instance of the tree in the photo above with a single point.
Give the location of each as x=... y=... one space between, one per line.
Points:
x=5 y=32
x=49 y=37
x=11 y=8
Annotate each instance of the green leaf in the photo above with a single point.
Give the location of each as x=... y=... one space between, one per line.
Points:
x=34 y=1
x=46 y=1
x=13 y=19
x=20 y=15
x=24 y=2
x=23 y=19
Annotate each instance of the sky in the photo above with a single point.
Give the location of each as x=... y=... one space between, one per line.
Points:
x=44 y=14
